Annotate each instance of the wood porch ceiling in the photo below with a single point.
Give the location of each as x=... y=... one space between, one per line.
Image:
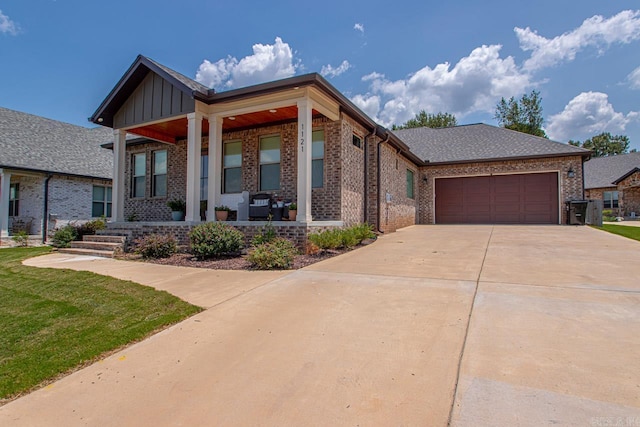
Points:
x=172 y=131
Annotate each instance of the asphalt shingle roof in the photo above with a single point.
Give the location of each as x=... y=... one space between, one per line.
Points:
x=40 y=144
x=188 y=82
x=603 y=171
x=479 y=142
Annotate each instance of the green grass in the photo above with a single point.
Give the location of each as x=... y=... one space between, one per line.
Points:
x=52 y=321
x=622 y=230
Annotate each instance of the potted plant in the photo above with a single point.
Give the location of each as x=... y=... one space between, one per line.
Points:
x=222 y=212
x=293 y=211
x=178 y=208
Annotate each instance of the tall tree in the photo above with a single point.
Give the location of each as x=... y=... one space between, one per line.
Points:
x=605 y=144
x=423 y=119
x=523 y=115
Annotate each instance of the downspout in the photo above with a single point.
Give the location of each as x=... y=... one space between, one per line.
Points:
x=378 y=182
x=45 y=214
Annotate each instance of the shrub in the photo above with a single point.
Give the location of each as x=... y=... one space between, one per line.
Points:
x=265 y=234
x=156 y=246
x=363 y=231
x=276 y=254
x=64 y=236
x=213 y=239
x=607 y=215
x=349 y=238
x=328 y=239
x=90 y=227
x=21 y=238
x=177 y=205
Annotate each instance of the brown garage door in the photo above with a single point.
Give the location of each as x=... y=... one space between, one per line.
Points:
x=500 y=199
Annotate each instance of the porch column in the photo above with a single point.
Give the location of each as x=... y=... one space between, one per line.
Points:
x=5 y=182
x=194 y=145
x=117 y=192
x=215 y=165
x=305 y=108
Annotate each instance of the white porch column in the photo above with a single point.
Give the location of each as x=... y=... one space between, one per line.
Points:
x=194 y=145
x=118 y=189
x=305 y=108
x=215 y=165
x=5 y=182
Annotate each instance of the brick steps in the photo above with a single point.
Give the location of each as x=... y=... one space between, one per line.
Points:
x=87 y=252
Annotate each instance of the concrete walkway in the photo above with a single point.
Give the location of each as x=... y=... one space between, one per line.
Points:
x=472 y=325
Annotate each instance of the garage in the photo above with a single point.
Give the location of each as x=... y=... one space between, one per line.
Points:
x=498 y=199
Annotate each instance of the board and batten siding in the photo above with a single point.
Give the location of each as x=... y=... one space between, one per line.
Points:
x=154 y=98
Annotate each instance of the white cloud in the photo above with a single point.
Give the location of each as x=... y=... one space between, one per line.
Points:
x=329 y=71
x=634 y=79
x=596 y=31
x=268 y=62
x=474 y=84
x=7 y=26
x=586 y=115
x=359 y=27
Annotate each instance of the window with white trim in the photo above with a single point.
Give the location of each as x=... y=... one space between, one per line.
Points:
x=317 y=159
x=270 y=163
x=14 y=199
x=610 y=199
x=139 y=175
x=204 y=177
x=101 y=205
x=232 y=166
x=159 y=182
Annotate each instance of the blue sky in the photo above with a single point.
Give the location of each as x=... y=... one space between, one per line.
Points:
x=60 y=58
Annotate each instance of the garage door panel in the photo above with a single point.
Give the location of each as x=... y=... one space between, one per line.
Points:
x=499 y=199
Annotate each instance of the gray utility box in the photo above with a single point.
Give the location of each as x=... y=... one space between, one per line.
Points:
x=577 y=212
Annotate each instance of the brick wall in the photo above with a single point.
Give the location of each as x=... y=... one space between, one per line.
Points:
x=352 y=172
x=629 y=194
x=400 y=211
x=570 y=188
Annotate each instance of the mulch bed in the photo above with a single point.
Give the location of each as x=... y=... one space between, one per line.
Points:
x=229 y=263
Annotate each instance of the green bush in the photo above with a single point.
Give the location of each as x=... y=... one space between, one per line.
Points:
x=21 y=238
x=344 y=238
x=156 y=246
x=363 y=231
x=264 y=235
x=276 y=254
x=90 y=227
x=608 y=215
x=213 y=239
x=64 y=236
x=328 y=239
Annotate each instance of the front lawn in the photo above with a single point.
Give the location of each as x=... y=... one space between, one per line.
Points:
x=52 y=321
x=622 y=230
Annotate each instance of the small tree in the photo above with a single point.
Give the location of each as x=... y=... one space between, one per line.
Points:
x=605 y=144
x=423 y=119
x=523 y=115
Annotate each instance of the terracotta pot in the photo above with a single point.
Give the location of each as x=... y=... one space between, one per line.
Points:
x=292 y=215
x=222 y=215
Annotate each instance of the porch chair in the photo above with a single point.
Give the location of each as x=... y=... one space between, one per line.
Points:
x=260 y=206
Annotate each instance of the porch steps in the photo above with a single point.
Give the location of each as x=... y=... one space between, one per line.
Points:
x=103 y=245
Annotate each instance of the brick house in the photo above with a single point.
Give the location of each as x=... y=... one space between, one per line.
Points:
x=300 y=139
x=50 y=173
x=616 y=181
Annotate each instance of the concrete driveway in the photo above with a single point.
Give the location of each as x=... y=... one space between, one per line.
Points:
x=467 y=325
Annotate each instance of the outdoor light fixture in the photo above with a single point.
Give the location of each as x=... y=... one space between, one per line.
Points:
x=571 y=173
x=232 y=117
x=272 y=111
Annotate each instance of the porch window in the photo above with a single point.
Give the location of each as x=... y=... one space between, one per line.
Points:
x=610 y=199
x=204 y=177
x=14 y=199
x=317 y=159
x=232 y=166
x=101 y=201
x=139 y=175
x=160 y=173
x=410 y=193
x=270 y=163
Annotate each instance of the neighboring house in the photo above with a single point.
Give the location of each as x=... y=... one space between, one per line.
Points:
x=616 y=181
x=51 y=173
x=302 y=140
